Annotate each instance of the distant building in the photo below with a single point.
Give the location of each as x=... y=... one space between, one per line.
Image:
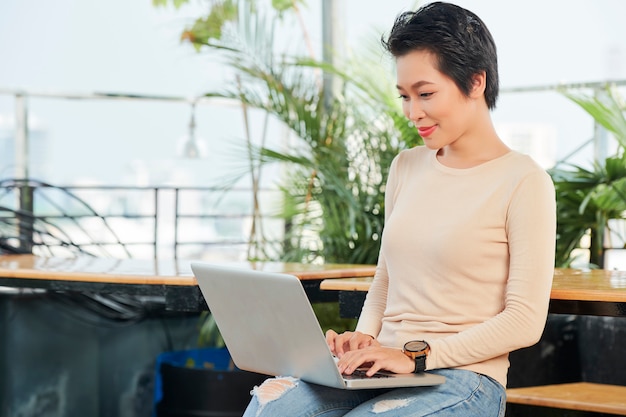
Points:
x=38 y=148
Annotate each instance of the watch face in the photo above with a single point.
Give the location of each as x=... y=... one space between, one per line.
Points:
x=416 y=346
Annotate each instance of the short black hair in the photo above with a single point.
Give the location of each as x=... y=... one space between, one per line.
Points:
x=459 y=39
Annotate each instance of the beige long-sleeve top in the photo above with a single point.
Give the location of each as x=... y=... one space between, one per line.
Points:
x=466 y=261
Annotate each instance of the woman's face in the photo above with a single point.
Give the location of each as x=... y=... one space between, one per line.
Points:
x=439 y=110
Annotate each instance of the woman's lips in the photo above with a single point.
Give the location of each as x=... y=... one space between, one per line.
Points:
x=426 y=131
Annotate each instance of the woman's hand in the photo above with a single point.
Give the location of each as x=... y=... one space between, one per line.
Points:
x=348 y=341
x=376 y=358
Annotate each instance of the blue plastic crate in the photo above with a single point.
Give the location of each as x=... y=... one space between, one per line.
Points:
x=217 y=359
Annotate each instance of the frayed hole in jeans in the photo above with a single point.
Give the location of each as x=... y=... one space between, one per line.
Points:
x=273 y=389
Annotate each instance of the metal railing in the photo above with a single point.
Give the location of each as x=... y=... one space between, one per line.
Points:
x=147 y=221
x=126 y=221
x=599 y=137
x=39 y=217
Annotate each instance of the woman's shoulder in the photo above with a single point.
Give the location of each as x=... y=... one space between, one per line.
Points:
x=409 y=159
x=523 y=164
x=523 y=171
x=413 y=154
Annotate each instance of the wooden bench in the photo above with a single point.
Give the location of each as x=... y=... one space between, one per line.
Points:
x=582 y=396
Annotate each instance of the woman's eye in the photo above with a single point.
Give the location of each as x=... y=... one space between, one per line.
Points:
x=403 y=97
x=425 y=95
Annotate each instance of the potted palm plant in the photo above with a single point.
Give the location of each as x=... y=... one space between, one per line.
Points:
x=589 y=199
x=591 y=204
x=340 y=148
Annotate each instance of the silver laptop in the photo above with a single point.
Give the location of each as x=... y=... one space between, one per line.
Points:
x=269 y=327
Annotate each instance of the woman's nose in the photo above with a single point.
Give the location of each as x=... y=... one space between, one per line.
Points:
x=416 y=112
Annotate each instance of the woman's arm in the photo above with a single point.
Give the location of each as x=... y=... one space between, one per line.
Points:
x=531 y=232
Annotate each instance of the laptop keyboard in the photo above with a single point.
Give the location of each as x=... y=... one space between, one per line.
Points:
x=361 y=373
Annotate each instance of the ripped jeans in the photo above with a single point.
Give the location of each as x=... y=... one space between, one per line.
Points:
x=464 y=394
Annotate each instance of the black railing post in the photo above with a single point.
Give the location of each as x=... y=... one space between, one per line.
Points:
x=26 y=217
x=176 y=219
x=156 y=221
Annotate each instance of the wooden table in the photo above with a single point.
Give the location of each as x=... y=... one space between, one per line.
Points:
x=66 y=351
x=172 y=279
x=585 y=292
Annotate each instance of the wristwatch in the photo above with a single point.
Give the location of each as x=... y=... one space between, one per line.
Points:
x=417 y=350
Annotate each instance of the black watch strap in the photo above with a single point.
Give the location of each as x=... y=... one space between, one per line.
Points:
x=420 y=364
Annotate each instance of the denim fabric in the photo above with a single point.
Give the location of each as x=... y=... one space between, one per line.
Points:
x=464 y=394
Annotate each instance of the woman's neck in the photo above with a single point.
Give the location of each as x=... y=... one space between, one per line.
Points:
x=476 y=147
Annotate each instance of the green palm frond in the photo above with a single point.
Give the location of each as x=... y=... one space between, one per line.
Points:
x=337 y=165
x=606 y=108
x=587 y=199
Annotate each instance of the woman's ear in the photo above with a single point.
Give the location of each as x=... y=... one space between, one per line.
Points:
x=479 y=83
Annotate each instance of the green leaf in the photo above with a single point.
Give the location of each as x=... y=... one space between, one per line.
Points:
x=282 y=5
x=606 y=109
x=162 y=3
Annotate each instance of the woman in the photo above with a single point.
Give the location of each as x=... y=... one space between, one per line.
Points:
x=467 y=254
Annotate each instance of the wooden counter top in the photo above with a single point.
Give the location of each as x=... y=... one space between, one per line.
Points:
x=152 y=272
x=568 y=284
